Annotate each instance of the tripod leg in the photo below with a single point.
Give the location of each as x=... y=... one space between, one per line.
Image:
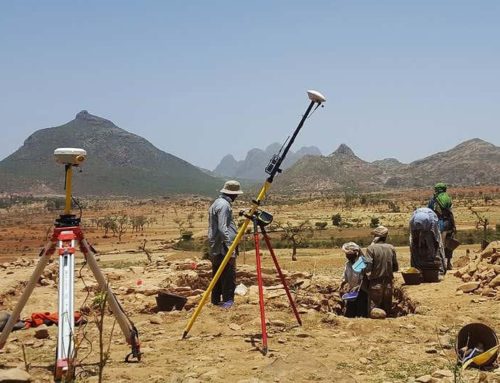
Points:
x=280 y=273
x=127 y=327
x=66 y=324
x=44 y=259
x=261 y=289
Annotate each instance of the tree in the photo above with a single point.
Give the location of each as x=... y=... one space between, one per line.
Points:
x=109 y=223
x=296 y=234
x=121 y=225
x=482 y=222
x=336 y=219
x=374 y=222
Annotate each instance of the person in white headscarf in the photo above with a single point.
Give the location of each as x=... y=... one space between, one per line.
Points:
x=352 y=281
x=382 y=263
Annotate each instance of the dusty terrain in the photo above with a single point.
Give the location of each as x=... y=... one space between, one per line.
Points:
x=224 y=345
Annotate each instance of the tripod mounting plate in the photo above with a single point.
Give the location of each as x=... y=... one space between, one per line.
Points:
x=70 y=156
x=67 y=220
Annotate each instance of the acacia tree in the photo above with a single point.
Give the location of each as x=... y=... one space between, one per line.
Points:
x=296 y=234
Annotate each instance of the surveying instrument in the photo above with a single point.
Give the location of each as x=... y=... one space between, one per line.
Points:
x=67 y=233
x=260 y=219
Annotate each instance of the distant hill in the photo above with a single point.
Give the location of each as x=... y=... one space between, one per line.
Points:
x=472 y=162
x=119 y=163
x=256 y=160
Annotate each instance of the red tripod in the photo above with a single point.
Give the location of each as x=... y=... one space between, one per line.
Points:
x=261 y=219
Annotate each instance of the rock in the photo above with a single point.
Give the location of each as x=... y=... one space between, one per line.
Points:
x=495 y=282
x=363 y=361
x=440 y=374
x=377 y=313
x=42 y=333
x=424 y=379
x=14 y=375
x=155 y=320
x=234 y=327
x=278 y=323
x=468 y=287
x=431 y=350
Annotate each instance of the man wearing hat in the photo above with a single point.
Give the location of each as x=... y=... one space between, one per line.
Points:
x=221 y=233
x=382 y=263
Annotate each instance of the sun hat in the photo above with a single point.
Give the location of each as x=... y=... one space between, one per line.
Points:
x=231 y=187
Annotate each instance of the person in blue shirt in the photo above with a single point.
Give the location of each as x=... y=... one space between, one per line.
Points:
x=425 y=241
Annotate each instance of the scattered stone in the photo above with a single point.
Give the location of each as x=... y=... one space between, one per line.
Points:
x=431 y=350
x=155 y=320
x=468 y=287
x=440 y=374
x=278 y=323
x=42 y=333
x=14 y=375
x=377 y=313
x=235 y=327
x=424 y=379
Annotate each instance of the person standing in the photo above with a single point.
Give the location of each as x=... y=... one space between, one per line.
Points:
x=425 y=241
x=221 y=233
x=352 y=281
x=441 y=204
x=381 y=264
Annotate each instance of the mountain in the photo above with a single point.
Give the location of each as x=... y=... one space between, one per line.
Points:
x=472 y=162
x=256 y=160
x=340 y=170
x=118 y=163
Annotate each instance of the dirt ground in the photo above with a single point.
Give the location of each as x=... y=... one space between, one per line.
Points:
x=224 y=345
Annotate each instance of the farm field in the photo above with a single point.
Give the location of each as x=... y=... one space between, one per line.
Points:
x=164 y=252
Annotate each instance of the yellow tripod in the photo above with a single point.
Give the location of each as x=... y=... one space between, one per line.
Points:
x=272 y=169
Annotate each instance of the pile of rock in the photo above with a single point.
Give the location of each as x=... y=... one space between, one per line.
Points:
x=481 y=275
x=190 y=278
x=17 y=264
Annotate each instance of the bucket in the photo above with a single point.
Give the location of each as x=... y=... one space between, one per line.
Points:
x=476 y=336
x=430 y=275
x=412 y=276
x=351 y=296
x=168 y=302
x=451 y=243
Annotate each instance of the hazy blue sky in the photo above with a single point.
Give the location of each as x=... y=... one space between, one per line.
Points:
x=201 y=79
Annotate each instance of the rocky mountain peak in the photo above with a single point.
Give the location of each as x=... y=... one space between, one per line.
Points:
x=85 y=116
x=344 y=150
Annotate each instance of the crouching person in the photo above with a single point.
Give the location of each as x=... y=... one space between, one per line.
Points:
x=382 y=263
x=352 y=281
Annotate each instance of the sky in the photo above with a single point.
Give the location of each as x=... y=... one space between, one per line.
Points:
x=201 y=79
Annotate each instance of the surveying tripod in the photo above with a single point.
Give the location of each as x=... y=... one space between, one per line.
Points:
x=67 y=233
x=273 y=168
x=260 y=220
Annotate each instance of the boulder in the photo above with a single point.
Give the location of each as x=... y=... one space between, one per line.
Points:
x=495 y=281
x=468 y=287
x=377 y=313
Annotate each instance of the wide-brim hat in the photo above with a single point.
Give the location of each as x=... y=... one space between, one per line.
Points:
x=232 y=187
